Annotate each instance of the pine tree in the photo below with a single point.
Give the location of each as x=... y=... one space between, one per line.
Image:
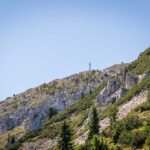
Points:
x=65 y=138
x=94 y=124
x=12 y=141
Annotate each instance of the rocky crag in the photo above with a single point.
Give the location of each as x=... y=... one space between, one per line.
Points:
x=30 y=108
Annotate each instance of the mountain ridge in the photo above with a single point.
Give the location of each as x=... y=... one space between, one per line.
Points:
x=112 y=89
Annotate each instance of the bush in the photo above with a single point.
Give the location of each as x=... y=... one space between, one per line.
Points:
x=126 y=124
x=146 y=52
x=138 y=138
x=135 y=138
x=95 y=143
x=113 y=112
x=143 y=107
x=98 y=144
x=147 y=141
x=52 y=112
x=141 y=65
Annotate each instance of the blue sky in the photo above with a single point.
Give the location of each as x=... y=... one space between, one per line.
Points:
x=41 y=40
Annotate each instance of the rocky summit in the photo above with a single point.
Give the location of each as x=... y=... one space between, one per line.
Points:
x=120 y=94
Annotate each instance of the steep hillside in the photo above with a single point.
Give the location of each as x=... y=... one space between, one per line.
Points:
x=31 y=107
x=120 y=93
x=28 y=110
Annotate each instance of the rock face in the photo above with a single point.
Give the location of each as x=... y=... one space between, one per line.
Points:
x=30 y=108
x=106 y=95
x=122 y=91
x=130 y=80
x=33 y=105
x=118 y=87
x=142 y=77
x=89 y=116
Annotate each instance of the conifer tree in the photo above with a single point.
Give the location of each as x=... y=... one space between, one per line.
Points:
x=12 y=139
x=65 y=138
x=94 y=124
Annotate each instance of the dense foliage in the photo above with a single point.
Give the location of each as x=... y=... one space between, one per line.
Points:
x=52 y=112
x=141 y=65
x=96 y=143
x=65 y=138
x=94 y=124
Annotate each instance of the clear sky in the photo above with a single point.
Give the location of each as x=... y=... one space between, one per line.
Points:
x=42 y=40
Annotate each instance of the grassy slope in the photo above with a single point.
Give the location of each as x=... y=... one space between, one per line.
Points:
x=136 y=137
x=142 y=64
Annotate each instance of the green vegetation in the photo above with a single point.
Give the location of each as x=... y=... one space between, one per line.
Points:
x=111 y=109
x=143 y=107
x=52 y=112
x=94 y=124
x=65 y=138
x=132 y=132
x=147 y=142
x=146 y=52
x=81 y=105
x=96 y=143
x=141 y=65
x=52 y=127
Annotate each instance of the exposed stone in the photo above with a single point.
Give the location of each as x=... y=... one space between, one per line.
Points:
x=105 y=95
x=89 y=117
x=142 y=77
x=31 y=107
x=122 y=91
x=130 y=80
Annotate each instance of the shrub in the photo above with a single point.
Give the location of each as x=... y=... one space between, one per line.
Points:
x=147 y=141
x=52 y=112
x=98 y=144
x=113 y=112
x=125 y=138
x=146 y=52
x=126 y=124
x=141 y=65
x=135 y=138
x=138 y=138
x=95 y=143
x=143 y=107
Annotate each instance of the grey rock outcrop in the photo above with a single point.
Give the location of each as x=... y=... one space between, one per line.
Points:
x=105 y=95
x=89 y=117
x=122 y=91
x=130 y=80
x=142 y=77
x=31 y=107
